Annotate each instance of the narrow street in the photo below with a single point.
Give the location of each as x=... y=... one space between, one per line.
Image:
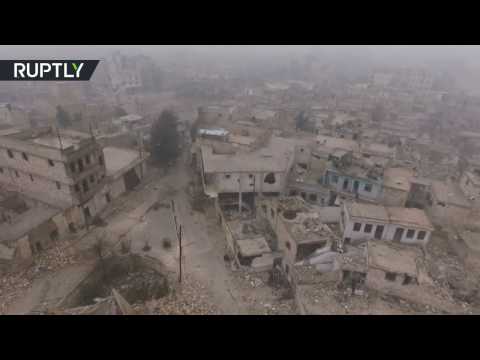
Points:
x=203 y=244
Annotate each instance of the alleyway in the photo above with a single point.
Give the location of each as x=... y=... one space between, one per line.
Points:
x=203 y=245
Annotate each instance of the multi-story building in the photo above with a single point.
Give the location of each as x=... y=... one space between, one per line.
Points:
x=260 y=171
x=60 y=168
x=53 y=183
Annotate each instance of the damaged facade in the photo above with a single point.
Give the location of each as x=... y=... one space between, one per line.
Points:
x=60 y=181
x=381 y=266
x=262 y=171
x=303 y=239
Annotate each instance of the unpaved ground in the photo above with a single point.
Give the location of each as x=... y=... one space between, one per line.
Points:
x=52 y=276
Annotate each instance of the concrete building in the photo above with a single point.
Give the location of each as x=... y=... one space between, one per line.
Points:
x=28 y=226
x=248 y=241
x=350 y=177
x=332 y=143
x=382 y=266
x=307 y=183
x=125 y=169
x=377 y=150
x=302 y=236
x=397 y=186
x=355 y=170
x=214 y=134
x=54 y=183
x=363 y=222
x=61 y=168
x=261 y=171
x=130 y=122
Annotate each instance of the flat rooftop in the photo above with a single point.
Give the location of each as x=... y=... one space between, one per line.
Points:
x=396 y=215
x=398 y=178
x=409 y=216
x=337 y=143
x=26 y=222
x=367 y=211
x=241 y=140
x=273 y=158
x=253 y=247
x=378 y=149
x=50 y=138
x=117 y=159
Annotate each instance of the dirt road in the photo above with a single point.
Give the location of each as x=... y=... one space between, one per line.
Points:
x=203 y=244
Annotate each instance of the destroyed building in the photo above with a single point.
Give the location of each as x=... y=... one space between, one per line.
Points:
x=28 y=226
x=350 y=177
x=64 y=168
x=249 y=242
x=305 y=180
x=448 y=204
x=381 y=266
x=56 y=182
x=397 y=184
x=302 y=237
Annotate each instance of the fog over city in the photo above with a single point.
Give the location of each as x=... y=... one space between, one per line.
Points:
x=463 y=60
x=240 y=179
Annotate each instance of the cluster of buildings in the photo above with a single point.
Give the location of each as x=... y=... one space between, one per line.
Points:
x=353 y=194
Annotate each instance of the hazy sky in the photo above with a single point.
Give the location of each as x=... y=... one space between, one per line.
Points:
x=464 y=59
x=418 y=52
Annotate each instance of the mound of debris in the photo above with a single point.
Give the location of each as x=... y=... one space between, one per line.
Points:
x=14 y=285
x=191 y=298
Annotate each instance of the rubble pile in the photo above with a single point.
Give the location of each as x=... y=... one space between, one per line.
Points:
x=140 y=286
x=53 y=259
x=275 y=300
x=450 y=275
x=13 y=286
x=190 y=298
x=333 y=299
